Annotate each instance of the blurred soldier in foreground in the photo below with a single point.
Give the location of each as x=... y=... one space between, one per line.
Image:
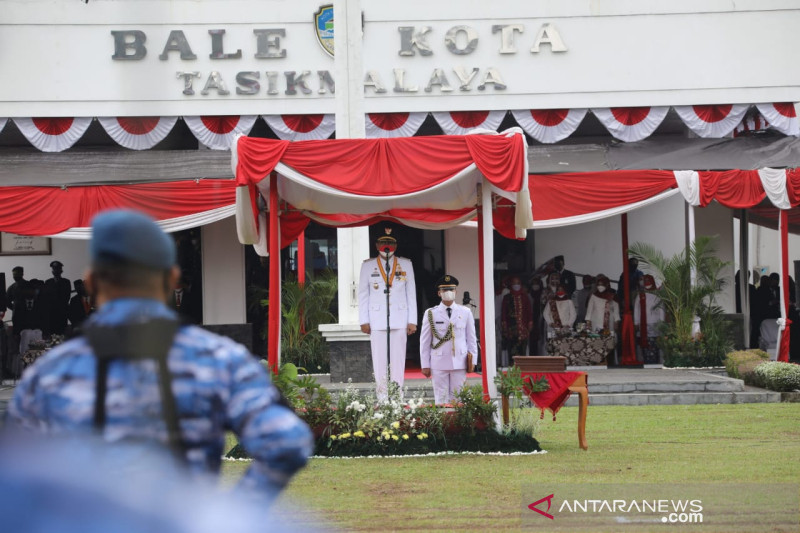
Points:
x=137 y=375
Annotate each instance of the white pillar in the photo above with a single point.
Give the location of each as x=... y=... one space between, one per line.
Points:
x=352 y=243
x=488 y=283
x=223 y=274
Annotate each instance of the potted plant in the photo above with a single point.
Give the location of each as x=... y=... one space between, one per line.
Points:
x=509 y=385
x=684 y=300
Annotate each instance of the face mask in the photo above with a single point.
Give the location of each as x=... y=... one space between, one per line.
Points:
x=601 y=288
x=516 y=287
x=561 y=294
x=448 y=296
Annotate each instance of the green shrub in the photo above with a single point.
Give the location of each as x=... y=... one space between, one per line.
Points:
x=779 y=376
x=744 y=361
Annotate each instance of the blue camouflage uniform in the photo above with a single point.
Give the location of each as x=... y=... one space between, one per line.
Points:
x=217 y=384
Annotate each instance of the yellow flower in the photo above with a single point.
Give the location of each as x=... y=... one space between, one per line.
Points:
x=395 y=425
x=423 y=435
x=395 y=437
x=344 y=436
x=359 y=434
x=405 y=437
x=333 y=437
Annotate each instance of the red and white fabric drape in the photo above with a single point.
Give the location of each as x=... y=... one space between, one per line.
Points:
x=631 y=124
x=782 y=117
x=67 y=212
x=549 y=125
x=218 y=132
x=712 y=121
x=54 y=134
x=462 y=122
x=138 y=133
x=301 y=127
x=387 y=125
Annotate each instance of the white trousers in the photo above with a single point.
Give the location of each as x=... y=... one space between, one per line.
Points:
x=447 y=382
x=377 y=340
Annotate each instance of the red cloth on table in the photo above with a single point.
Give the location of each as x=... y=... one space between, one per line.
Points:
x=555 y=397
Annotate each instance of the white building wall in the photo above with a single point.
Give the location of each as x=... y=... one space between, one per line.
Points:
x=717 y=220
x=596 y=247
x=223 y=274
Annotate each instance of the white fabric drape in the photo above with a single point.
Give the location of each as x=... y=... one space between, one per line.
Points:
x=169 y=225
x=782 y=117
x=218 y=133
x=774 y=182
x=461 y=123
x=712 y=121
x=631 y=124
x=386 y=125
x=53 y=134
x=550 y=125
x=138 y=133
x=301 y=127
x=246 y=227
x=689 y=185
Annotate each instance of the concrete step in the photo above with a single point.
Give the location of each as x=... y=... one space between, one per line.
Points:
x=710 y=384
x=679 y=398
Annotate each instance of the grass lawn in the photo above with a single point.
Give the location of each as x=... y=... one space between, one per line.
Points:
x=747 y=443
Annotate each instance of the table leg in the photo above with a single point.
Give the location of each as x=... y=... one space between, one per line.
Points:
x=583 y=407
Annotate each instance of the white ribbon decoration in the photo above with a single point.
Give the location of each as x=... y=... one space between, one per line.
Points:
x=246 y=228
x=53 y=143
x=407 y=129
x=324 y=130
x=137 y=141
x=713 y=130
x=774 y=182
x=631 y=132
x=261 y=245
x=451 y=127
x=549 y=134
x=788 y=125
x=219 y=141
x=169 y=225
x=689 y=184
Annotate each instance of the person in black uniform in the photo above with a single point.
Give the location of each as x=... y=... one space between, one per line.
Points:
x=57 y=291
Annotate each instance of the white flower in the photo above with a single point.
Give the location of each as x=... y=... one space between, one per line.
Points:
x=378 y=416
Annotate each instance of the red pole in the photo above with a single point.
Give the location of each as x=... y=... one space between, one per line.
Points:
x=783 y=349
x=301 y=272
x=274 y=320
x=301 y=258
x=628 y=337
x=482 y=315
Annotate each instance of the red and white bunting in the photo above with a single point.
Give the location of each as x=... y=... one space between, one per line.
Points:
x=782 y=117
x=631 y=124
x=53 y=134
x=385 y=125
x=138 y=133
x=549 y=125
x=217 y=132
x=301 y=127
x=462 y=122
x=712 y=121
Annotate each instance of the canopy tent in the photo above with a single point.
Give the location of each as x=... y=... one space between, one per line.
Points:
x=432 y=181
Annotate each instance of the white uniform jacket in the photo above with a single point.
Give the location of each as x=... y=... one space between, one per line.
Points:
x=442 y=358
x=372 y=298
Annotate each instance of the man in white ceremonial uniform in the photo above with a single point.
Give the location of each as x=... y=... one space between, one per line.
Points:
x=373 y=282
x=447 y=344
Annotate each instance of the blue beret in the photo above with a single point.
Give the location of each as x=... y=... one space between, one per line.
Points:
x=126 y=235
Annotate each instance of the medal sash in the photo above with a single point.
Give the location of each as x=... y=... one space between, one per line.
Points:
x=383 y=271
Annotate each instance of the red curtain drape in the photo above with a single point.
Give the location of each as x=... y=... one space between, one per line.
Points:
x=51 y=210
x=386 y=167
x=736 y=189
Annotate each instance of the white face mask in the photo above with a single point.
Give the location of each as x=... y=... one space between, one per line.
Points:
x=448 y=296
x=601 y=288
x=516 y=287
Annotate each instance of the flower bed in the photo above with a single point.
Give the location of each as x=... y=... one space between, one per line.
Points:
x=357 y=426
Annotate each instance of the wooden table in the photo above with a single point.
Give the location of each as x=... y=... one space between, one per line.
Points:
x=581 y=387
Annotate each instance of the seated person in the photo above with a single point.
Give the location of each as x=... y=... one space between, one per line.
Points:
x=559 y=312
x=602 y=311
